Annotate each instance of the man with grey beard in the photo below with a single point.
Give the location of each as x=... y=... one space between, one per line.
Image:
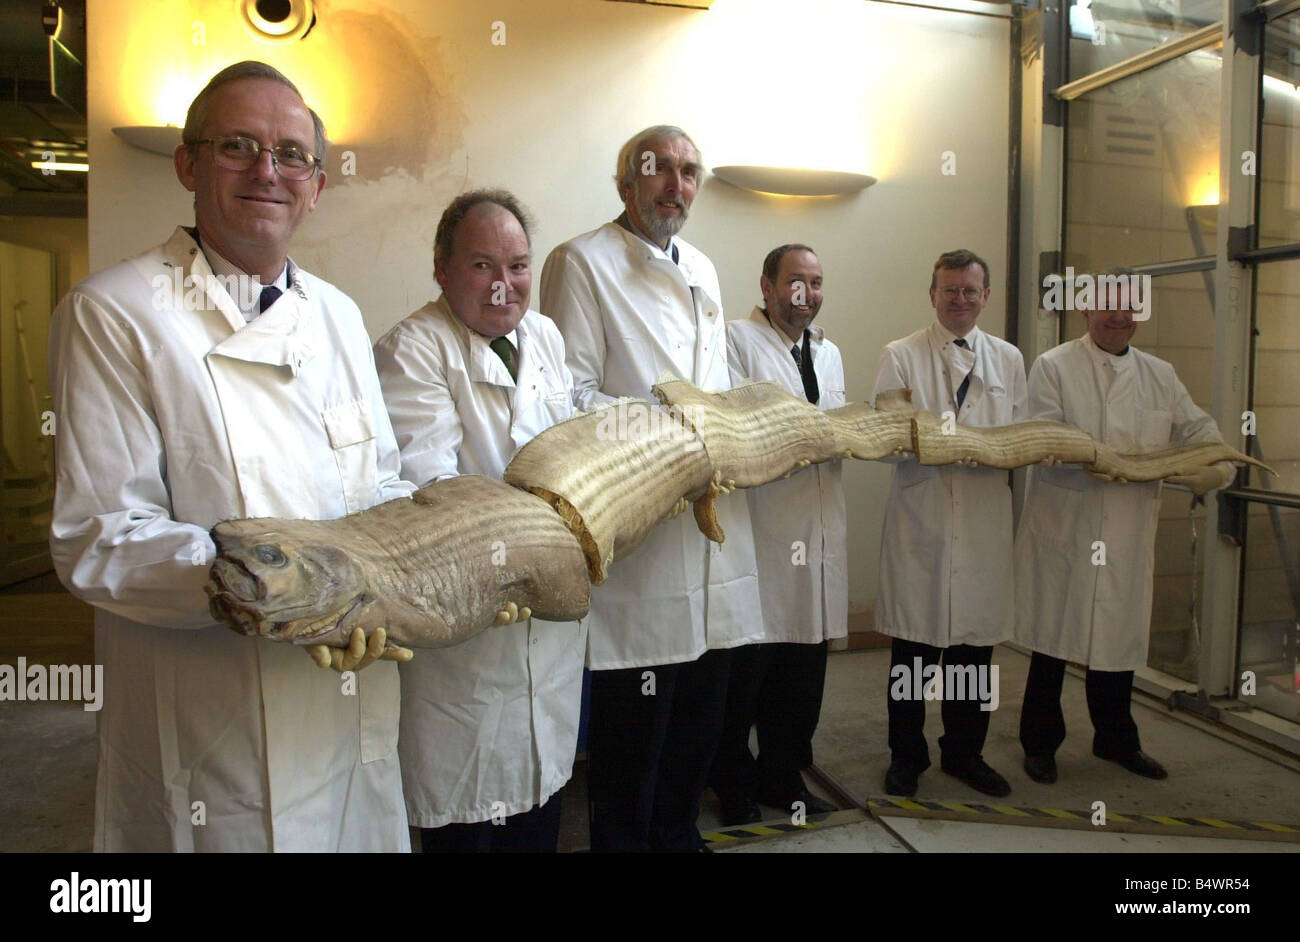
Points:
x=634 y=301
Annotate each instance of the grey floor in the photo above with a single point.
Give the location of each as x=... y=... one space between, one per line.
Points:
x=48 y=768
x=1207 y=775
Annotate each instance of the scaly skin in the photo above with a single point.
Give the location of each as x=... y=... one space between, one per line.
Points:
x=471 y=552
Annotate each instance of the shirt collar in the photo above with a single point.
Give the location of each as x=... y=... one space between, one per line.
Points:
x=249 y=303
x=470 y=333
x=946 y=336
x=814 y=331
x=1116 y=362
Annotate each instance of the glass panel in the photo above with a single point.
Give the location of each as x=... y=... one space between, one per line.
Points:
x=1269 y=642
x=1275 y=398
x=26 y=455
x=1123 y=28
x=1279 y=142
x=1143 y=166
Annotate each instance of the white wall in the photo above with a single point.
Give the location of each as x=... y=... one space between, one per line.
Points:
x=429 y=106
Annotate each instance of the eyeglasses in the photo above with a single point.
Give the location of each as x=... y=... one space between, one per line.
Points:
x=970 y=294
x=240 y=153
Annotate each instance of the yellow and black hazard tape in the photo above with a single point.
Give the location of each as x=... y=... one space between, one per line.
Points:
x=1128 y=822
x=748 y=832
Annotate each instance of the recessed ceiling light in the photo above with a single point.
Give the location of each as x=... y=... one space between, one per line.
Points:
x=277 y=21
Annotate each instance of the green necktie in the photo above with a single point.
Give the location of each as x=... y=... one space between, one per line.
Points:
x=506 y=351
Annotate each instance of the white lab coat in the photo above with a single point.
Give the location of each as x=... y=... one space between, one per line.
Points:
x=799 y=523
x=946 y=563
x=495 y=718
x=628 y=314
x=169 y=421
x=1098 y=615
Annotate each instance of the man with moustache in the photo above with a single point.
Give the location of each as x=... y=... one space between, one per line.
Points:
x=1067 y=608
x=946 y=586
x=178 y=410
x=490 y=725
x=633 y=300
x=799 y=539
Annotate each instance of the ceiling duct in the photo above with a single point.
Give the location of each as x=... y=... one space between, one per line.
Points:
x=65 y=24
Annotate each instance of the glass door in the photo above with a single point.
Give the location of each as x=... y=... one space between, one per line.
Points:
x=26 y=420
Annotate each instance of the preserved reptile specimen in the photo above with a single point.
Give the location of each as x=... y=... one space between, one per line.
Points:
x=471 y=552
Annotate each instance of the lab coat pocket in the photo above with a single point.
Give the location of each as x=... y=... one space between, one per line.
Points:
x=912 y=473
x=1060 y=510
x=1154 y=426
x=998 y=406
x=351 y=429
x=917 y=512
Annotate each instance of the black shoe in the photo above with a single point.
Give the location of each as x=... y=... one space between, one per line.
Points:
x=735 y=813
x=811 y=803
x=1137 y=762
x=976 y=773
x=901 y=779
x=1041 y=768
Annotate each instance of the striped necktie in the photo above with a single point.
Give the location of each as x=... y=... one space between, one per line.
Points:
x=965 y=383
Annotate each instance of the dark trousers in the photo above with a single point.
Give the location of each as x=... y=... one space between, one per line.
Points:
x=1110 y=694
x=965 y=725
x=535 y=831
x=778 y=688
x=649 y=752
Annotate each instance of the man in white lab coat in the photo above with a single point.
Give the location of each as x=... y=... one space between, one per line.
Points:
x=799 y=539
x=211 y=378
x=946 y=574
x=490 y=725
x=1069 y=607
x=633 y=301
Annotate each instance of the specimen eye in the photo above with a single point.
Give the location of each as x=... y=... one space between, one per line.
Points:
x=269 y=555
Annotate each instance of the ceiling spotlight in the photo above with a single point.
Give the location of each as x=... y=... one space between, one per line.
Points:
x=277 y=21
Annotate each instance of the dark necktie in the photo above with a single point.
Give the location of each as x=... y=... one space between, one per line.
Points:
x=506 y=351
x=803 y=359
x=267 y=298
x=965 y=383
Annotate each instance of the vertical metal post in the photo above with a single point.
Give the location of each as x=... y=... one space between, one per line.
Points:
x=1239 y=126
x=1040 y=55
